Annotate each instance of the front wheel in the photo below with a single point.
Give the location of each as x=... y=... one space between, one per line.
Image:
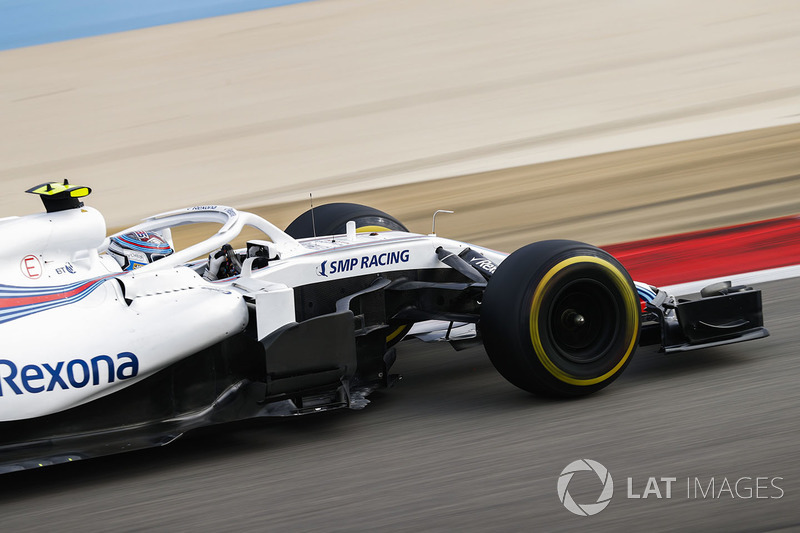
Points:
x=560 y=318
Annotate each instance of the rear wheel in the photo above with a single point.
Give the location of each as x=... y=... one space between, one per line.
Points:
x=331 y=219
x=560 y=318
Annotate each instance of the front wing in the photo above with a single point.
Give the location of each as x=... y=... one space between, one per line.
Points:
x=683 y=324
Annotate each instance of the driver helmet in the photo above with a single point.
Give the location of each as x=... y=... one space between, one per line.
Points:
x=138 y=248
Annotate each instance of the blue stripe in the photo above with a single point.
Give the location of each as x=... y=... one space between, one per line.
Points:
x=645 y=293
x=9 y=291
x=32 y=22
x=12 y=313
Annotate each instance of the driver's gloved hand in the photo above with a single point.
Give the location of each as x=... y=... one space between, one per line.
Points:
x=219 y=265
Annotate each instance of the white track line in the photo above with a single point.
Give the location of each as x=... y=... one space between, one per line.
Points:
x=749 y=278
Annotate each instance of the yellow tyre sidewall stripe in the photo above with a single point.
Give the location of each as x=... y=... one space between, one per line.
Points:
x=630 y=303
x=371 y=229
x=395 y=333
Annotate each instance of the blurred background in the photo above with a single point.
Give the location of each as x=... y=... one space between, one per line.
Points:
x=338 y=96
x=599 y=121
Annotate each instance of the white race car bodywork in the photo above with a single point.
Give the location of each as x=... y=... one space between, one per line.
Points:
x=77 y=328
x=96 y=360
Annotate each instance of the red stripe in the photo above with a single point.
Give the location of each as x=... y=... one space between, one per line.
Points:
x=712 y=253
x=42 y=298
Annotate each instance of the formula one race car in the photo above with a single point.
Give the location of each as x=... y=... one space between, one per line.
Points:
x=100 y=356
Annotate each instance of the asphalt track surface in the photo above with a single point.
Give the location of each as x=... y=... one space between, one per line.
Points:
x=455 y=447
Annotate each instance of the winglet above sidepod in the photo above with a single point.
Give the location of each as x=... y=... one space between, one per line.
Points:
x=60 y=196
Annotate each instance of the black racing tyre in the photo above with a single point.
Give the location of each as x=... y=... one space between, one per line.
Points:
x=560 y=318
x=331 y=219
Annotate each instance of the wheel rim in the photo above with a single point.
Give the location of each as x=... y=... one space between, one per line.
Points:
x=372 y=223
x=564 y=354
x=580 y=321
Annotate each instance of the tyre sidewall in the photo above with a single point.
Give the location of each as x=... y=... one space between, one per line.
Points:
x=518 y=304
x=331 y=219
